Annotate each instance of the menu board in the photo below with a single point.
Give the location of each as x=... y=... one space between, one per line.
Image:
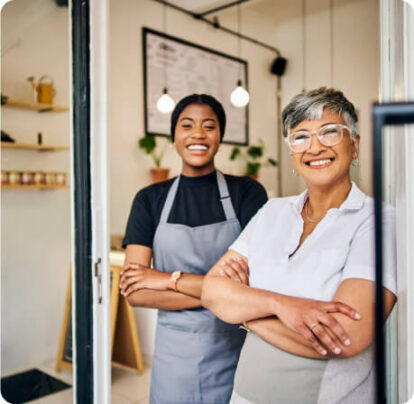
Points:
x=185 y=68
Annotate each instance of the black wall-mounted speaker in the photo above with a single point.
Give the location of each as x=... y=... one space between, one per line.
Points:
x=279 y=66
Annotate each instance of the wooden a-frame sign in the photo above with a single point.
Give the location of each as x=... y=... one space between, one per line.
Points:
x=125 y=346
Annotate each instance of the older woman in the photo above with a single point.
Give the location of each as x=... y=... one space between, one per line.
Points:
x=309 y=258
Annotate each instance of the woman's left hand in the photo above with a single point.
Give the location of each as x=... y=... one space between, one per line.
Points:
x=135 y=277
x=312 y=319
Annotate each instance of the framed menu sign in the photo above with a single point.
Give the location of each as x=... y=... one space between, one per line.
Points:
x=186 y=68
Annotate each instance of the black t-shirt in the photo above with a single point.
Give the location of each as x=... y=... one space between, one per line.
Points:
x=197 y=203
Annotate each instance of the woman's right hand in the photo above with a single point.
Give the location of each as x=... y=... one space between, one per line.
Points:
x=236 y=268
x=312 y=320
x=135 y=277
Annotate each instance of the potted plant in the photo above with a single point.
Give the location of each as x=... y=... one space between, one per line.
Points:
x=148 y=145
x=253 y=157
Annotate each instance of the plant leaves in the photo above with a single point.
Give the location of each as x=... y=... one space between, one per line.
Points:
x=255 y=151
x=252 y=168
x=147 y=144
x=234 y=153
x=272 y=162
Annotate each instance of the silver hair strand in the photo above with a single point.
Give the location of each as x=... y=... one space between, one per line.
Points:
x=310 y=105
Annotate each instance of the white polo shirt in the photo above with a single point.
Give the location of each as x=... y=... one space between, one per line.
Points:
x=340 y=247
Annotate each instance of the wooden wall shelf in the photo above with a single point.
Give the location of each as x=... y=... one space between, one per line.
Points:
x=34 y=107
x=34 y=187
x=27 y=146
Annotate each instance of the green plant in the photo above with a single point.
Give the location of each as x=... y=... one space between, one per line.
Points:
x=148 y=145
x=253 y=157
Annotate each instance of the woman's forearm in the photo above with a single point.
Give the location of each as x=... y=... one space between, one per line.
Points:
x=164 y=300
x=235 y=302
x=150 y=288
x=190 y=285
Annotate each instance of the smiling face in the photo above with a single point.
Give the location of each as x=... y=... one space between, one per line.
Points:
x=197 y=139
x=325 y=166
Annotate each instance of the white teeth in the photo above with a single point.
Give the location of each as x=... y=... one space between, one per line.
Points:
x=319 y=162
x=197 y=147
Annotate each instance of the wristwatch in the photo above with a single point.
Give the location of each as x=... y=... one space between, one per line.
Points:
x=174 y=278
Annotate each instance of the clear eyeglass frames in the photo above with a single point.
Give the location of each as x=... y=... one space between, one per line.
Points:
x=328 y=135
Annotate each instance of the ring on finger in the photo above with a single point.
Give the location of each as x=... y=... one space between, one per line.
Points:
x=312 y=326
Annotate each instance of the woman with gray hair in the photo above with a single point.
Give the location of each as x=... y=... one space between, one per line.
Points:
x=300 y=277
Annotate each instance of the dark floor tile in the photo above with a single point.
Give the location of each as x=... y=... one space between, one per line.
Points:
x=29 y=385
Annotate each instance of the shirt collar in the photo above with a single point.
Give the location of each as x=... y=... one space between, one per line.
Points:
x=354 y=200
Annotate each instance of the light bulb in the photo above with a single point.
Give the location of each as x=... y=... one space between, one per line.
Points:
x=239 y=97
x=165 y=103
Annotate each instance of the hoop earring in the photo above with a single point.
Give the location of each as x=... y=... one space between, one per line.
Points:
x=355 y=162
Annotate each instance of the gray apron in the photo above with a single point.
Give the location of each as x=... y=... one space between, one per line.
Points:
x=196 y=354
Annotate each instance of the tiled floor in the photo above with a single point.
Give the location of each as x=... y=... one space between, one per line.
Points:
x=127 y=386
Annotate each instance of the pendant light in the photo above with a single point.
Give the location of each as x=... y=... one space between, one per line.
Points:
x=239 y=97
x=165 y=103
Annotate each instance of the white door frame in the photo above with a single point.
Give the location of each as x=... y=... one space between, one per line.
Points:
x=397 y=84
x=99 y=13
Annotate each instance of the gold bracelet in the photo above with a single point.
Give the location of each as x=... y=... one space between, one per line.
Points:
x=244 y=326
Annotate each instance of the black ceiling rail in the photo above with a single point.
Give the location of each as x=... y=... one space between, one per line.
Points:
x=383 y=115
x=217 y=25
x=223 y=7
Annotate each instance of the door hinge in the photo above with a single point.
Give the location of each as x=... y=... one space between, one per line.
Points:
x=98 y=274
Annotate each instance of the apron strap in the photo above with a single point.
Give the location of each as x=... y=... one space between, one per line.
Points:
x=225 y=197
x=169 y=201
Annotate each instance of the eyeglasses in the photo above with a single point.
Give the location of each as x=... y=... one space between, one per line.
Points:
x=328 y=135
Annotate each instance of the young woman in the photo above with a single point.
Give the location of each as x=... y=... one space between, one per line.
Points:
x=308 y=257
x=186 y=224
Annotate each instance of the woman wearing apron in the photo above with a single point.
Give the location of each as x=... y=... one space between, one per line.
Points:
x=186 y=224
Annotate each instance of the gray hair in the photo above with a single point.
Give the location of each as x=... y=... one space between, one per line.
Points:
x=310 y=105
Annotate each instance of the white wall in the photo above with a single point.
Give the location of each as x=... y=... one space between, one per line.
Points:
x=356 y=65
x=129 y=167
x=276 y=23
x=35 y=225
